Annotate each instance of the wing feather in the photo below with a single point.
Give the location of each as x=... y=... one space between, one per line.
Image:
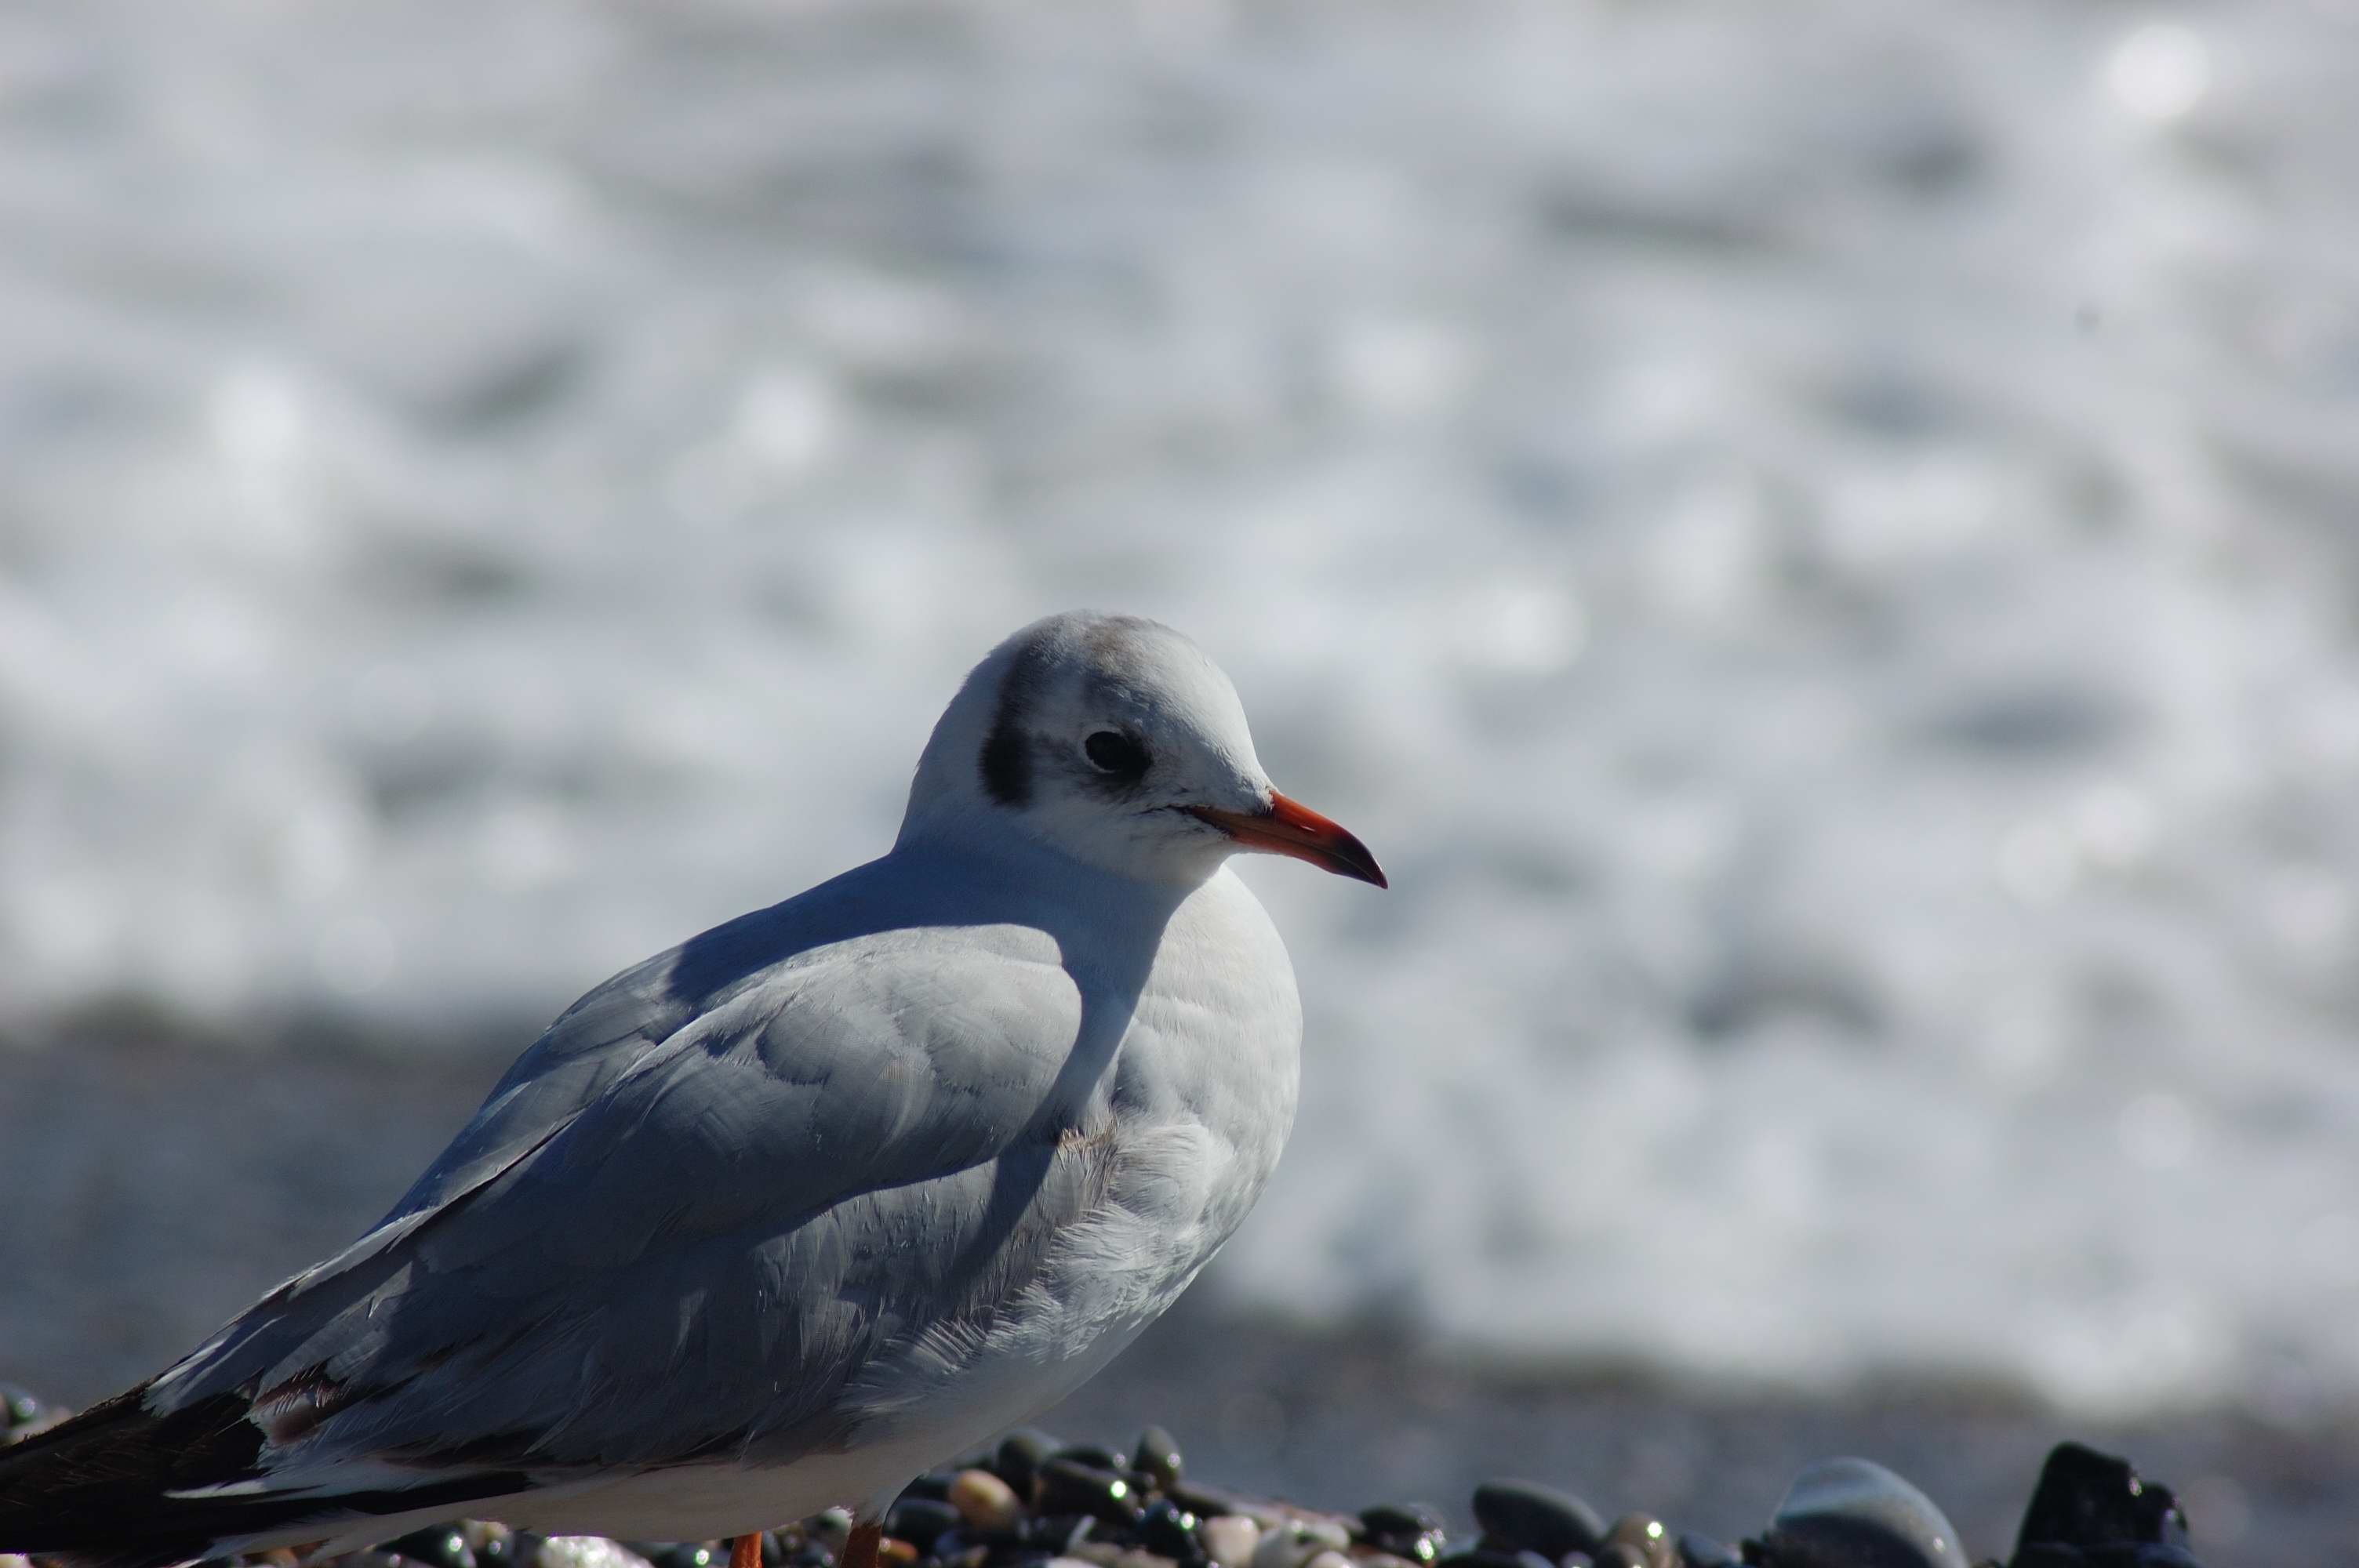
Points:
x=807 y=1161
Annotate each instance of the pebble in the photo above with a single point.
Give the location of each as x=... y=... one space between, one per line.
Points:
x=1068 y=1486
x=443 y=1546
x=1854 y=1513
x=1229 y=1540
x=1019 y=1457
x=1156 y=1457
x=920 y=1521
x=17 y=1406
x=1060 y=1533
x=691 y=1554
x=1169 y=1531
x=1703 y=1551
x=1645 y=1536
x=1486 y=1557
x=1518 y=1514
x=2085 y=1499
x=1294 y=1542
x=1330 y=1558
x=1410 y=1531
x=984 y=1501
x=583 y=1551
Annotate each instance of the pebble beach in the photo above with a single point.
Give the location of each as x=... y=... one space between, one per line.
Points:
x=140 y=1177
x=1032 y=1501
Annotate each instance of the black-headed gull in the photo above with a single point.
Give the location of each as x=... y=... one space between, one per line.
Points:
x=782 y=1217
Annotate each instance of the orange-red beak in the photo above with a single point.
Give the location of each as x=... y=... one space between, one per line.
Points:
x=1290 y=828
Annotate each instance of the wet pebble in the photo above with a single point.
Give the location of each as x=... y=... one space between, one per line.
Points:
x=17 y=1406
x=1229 y=1540
x=1156 y=1457
x=2086 y=1499
x=1410 y=1531
x=1525 y=1515
x=443 y=1546
x=1060 y=1533
x=508 y=1547
x=1019 y=1457
x=691 y=1554
x=920 y=1521
x=1067 y=1486
x=984 y=1501
x=1644 y=1536
x=1854 y=1513
x=1169 y=1531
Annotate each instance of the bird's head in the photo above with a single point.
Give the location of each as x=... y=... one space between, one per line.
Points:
x=1117 y=741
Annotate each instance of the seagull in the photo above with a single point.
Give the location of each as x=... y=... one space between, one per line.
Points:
x=783 y=1217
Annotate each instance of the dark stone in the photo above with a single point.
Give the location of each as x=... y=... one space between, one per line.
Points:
x=920 y=1521
x=1170 y=1531
x=17 y=1406
x=1854 y=1513
x=439 y=1546
x=1703 y=1551
x=1525 y=1515
x=688 y=1555
x=1020 y=1456
x=2048 y=1554
x=775 y=1548
x=934 y=1486
x=1069 y=1487
x=2087 y=1498
x=1482 y=1557
x=522 y=1546
x=1089 y=1454
x=1057 y=1534
x=1643 y=1534
x=1576 y=1560
x=1413 y=1531
x=1156 y=1457
x=1205 y=1501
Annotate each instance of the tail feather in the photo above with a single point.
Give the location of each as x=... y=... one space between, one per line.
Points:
x=121 y=1485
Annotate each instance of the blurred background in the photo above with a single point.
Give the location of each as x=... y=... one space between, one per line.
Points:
x=1819 y=543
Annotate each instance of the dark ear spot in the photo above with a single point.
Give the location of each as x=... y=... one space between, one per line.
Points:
x=1007 y=765
x=1006 y=760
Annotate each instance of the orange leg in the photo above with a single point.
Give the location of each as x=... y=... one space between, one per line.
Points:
x=745 y=1551
x=860 y=1552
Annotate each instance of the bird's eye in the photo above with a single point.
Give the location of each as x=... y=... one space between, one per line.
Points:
x=1112 y=752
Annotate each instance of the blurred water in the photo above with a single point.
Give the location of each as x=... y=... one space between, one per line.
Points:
x=1816 y=542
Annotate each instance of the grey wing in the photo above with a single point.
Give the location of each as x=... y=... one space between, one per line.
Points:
x=661 y=1250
